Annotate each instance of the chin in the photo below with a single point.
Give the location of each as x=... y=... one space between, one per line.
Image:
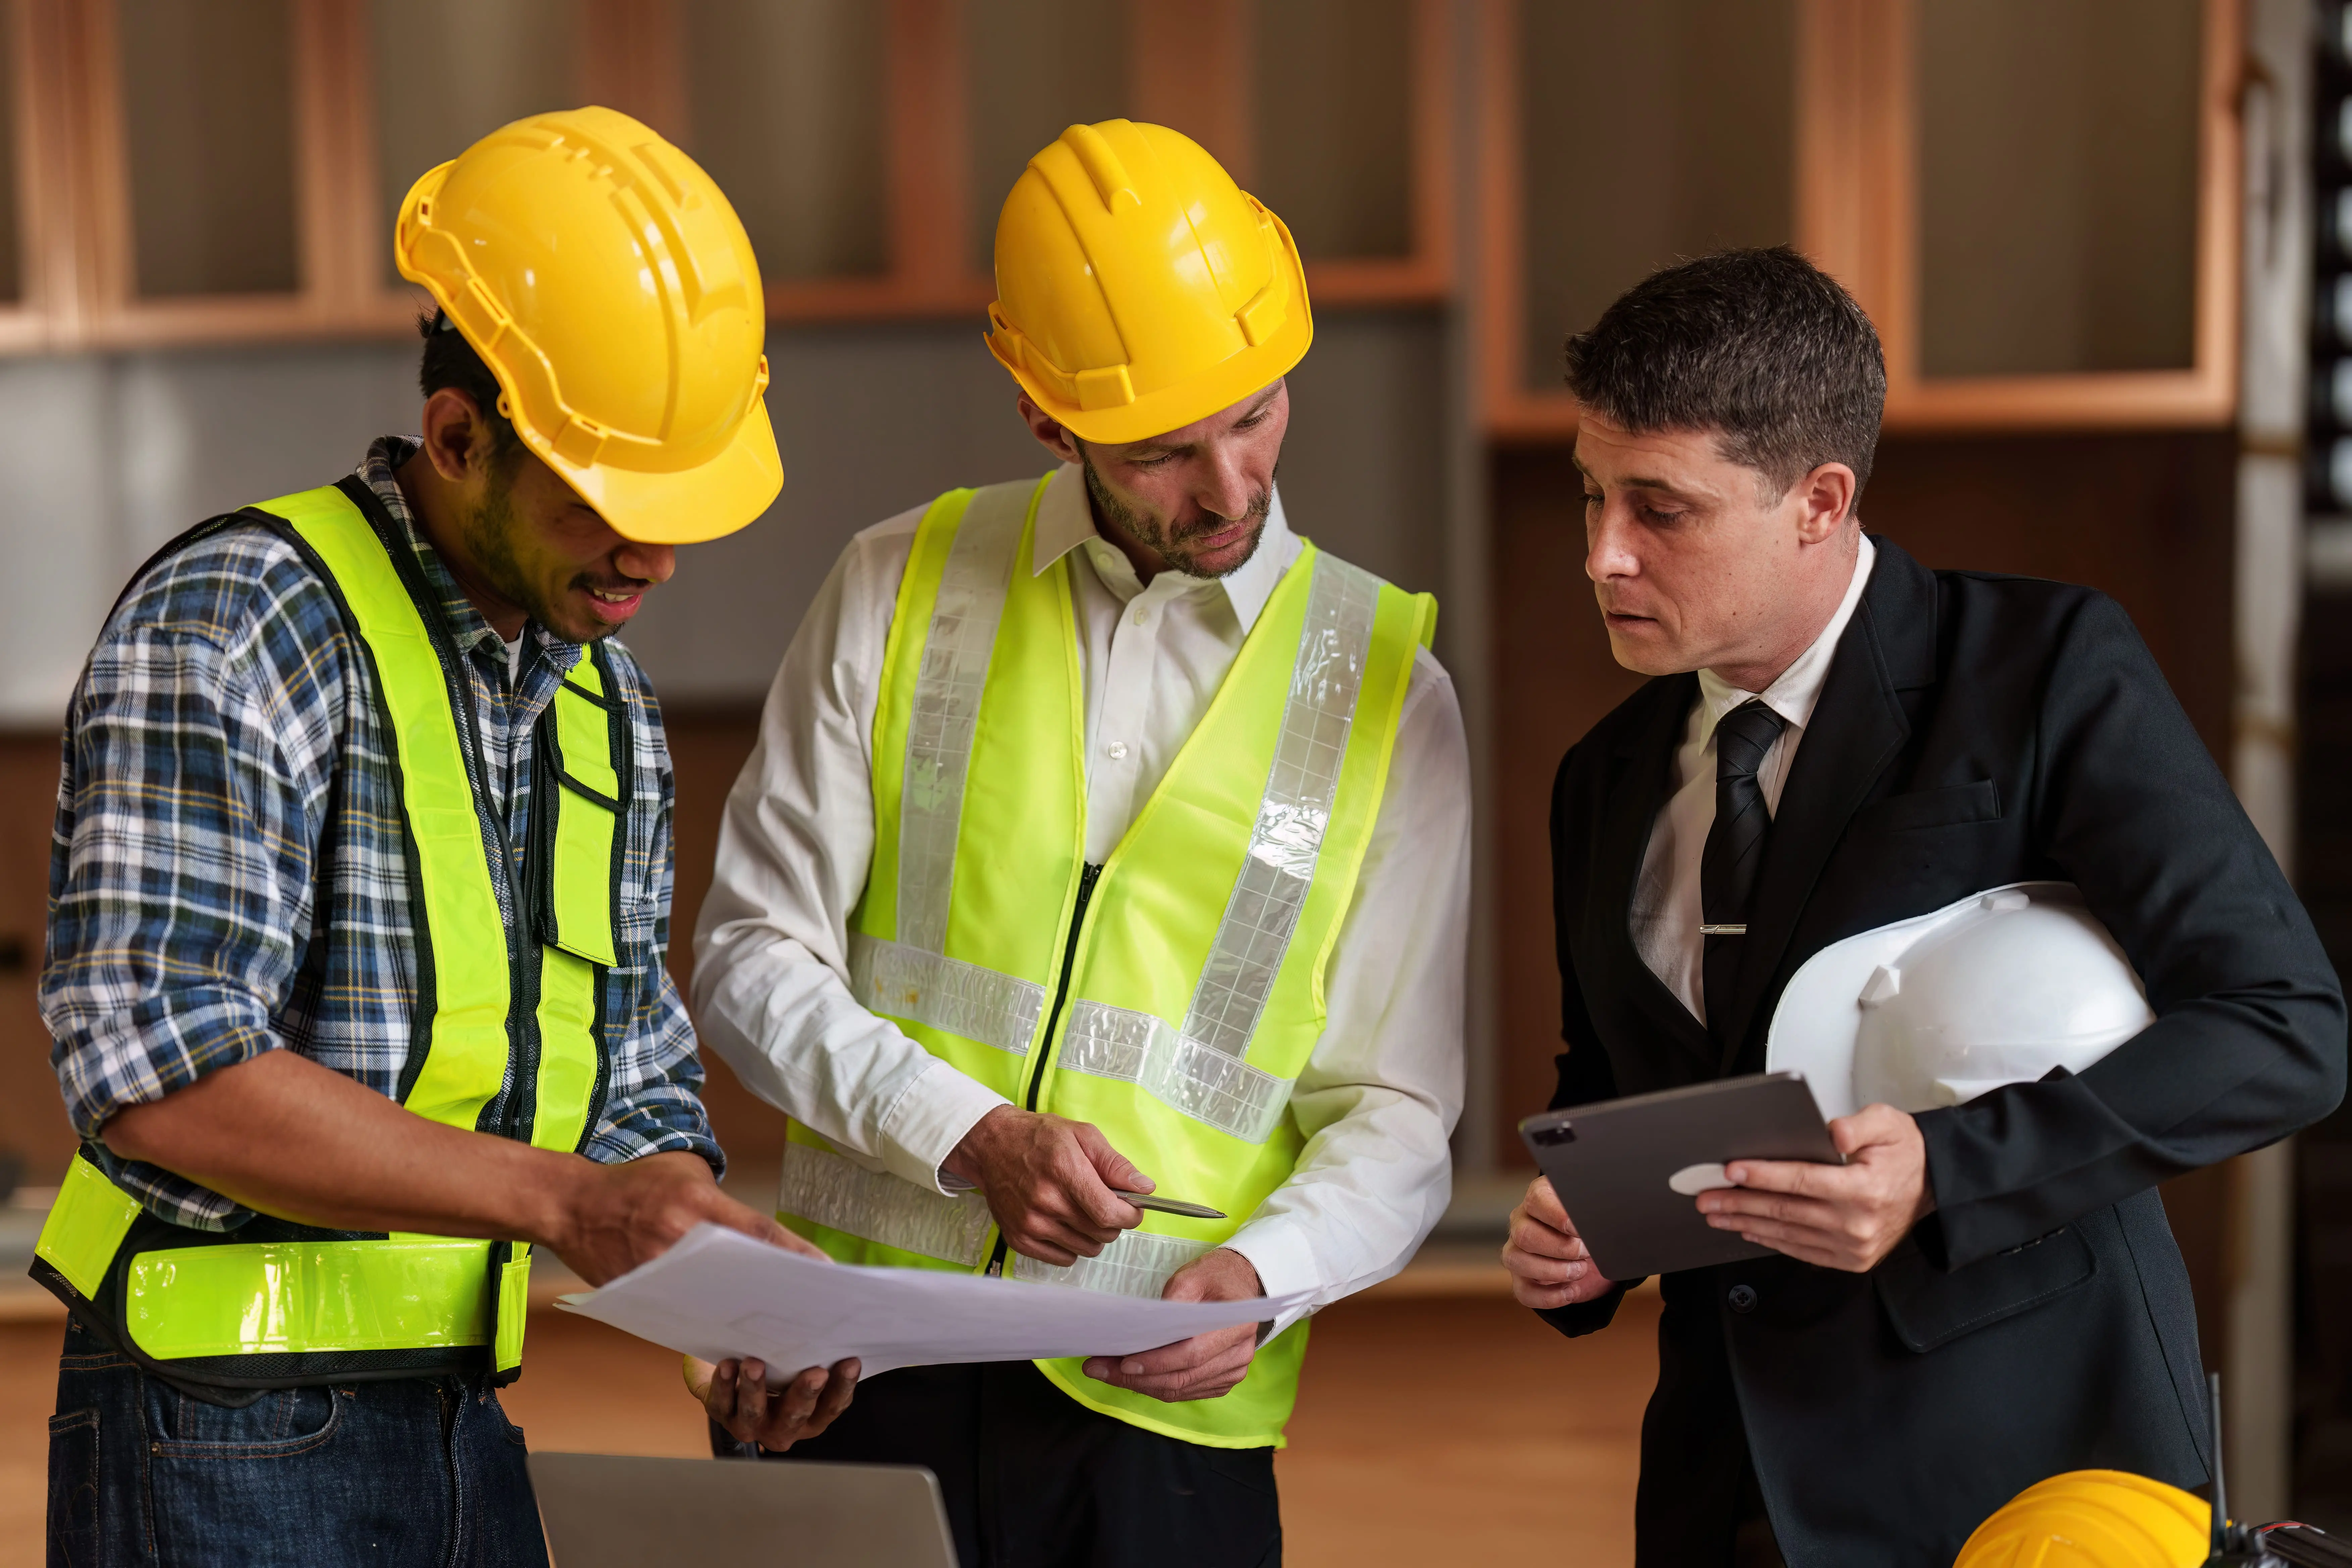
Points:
x=1642 y=660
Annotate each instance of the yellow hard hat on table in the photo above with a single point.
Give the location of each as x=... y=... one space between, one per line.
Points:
x=1138 y=287
x=610 y=287
x=2093 y=1519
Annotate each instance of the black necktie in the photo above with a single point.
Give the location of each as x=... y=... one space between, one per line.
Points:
x=1734 y=849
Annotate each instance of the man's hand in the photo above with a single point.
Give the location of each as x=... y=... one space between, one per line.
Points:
x=284 y=1135
x=1049 y=1183
x=1206 y=1365
x=1550 y=1266
x=611 y=1218
x=737 y=1394
x=1840 y=1216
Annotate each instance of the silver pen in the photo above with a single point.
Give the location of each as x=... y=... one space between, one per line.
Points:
x=1170 y=1205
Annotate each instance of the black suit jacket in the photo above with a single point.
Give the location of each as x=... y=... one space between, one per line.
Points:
x=1972 y=731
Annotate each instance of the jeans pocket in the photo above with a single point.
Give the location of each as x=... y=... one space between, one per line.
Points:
x=281 y=1424
x=77 y=1538
x=505 y=1422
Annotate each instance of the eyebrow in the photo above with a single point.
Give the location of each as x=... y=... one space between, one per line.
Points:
x=1264 y=402
x=1643 y=483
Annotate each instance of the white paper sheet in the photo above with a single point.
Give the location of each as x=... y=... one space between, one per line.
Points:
x=718 y=1293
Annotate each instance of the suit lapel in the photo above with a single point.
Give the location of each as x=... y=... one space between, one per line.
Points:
x=1857 y=730
x=1645 y=766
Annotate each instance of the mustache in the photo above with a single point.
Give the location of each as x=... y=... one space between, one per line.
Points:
x=1204 y=521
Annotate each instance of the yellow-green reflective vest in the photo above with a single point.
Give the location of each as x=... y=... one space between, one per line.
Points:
x=1170 y=995
x=276 y=1303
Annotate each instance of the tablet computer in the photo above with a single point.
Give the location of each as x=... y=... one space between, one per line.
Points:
x=1626 y=1170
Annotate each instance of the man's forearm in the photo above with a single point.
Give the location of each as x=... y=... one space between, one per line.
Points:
x=281 y=1134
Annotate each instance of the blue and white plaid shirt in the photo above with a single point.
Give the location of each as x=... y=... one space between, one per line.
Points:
x=226 y=771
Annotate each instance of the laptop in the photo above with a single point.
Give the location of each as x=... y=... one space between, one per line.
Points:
x=611 y=1510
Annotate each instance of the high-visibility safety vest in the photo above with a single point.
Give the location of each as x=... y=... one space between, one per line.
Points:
x=1170 y=995
x=276 y=1303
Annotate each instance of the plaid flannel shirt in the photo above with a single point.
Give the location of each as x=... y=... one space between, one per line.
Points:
x=226 y=773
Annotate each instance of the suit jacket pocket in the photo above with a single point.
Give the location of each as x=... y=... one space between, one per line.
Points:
x=1978 y=802
x=1927 y=1307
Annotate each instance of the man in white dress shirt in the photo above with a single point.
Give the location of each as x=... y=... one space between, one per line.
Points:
x=1103 y=832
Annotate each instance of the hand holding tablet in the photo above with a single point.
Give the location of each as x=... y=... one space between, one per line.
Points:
x=1626 y=1171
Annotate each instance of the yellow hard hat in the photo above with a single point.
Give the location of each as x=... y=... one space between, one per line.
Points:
x=2093 y=1519
x=1138 y=287
x=610 y=287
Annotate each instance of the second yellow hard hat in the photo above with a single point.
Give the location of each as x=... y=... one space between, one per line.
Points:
x=608 y=285
x=1138 y=287
x=2092 y=1519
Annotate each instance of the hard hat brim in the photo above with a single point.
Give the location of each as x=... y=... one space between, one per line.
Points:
x=688 y=506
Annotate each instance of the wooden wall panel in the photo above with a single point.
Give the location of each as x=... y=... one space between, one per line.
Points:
x=33 y=1123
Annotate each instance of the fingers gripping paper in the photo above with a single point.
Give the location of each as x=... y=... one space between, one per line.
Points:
x=718 y=1294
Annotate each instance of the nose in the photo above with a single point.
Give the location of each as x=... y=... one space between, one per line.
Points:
x=1227 y=486
x=647 y=562
x=1607 y=546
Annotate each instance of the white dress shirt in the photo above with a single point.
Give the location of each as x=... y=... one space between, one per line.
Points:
x=1665 y=916
x=1381 y=1090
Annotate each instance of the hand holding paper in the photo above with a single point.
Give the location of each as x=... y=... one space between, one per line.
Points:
x=720 y=1295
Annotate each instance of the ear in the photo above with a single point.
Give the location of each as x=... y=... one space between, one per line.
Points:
x=457 y=442
x=1825 y=500
x=1050 y=432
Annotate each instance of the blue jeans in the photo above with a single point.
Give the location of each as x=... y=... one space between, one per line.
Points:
x=421 y=1472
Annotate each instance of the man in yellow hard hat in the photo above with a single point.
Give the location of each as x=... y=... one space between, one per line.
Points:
x=360 y=892
x=1104 y=837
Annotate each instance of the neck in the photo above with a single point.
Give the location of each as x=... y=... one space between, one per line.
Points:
x=436 y=503
x=1807 y=620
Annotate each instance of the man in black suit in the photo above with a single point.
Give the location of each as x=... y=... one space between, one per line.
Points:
x=1837 y=739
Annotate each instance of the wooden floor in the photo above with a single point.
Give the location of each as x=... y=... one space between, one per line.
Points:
x=1445 y=1429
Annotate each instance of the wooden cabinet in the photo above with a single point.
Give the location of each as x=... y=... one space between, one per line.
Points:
x=2036 y=200
x=176 y=170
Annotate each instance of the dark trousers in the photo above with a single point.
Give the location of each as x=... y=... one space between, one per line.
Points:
x=1034 y=1480
x=415 y=1473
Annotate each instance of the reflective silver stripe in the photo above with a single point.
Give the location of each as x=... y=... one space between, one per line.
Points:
x=946 y=706
x=1179 y=1073
x=1138 y=1264
x=876 y=1206
x=983 y=1004
x=1272 y=887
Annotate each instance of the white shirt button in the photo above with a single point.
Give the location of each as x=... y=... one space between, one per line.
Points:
x=1118 y=750
x=1142 y=616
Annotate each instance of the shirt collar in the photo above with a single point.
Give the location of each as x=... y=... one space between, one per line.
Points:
x=1799 y=688
x=1066 y=521
x=471 y=633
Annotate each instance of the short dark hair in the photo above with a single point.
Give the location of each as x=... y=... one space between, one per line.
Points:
x=450 y=360
x=1761 y=345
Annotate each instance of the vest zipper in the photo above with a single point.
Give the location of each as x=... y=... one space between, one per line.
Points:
x=1086 y=880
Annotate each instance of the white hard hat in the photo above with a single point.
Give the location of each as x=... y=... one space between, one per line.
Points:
x=1998 y=988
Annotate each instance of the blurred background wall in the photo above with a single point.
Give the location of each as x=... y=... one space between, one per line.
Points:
x=2048 y=206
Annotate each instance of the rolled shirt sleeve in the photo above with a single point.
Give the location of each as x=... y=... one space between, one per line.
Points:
x=183 y=856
